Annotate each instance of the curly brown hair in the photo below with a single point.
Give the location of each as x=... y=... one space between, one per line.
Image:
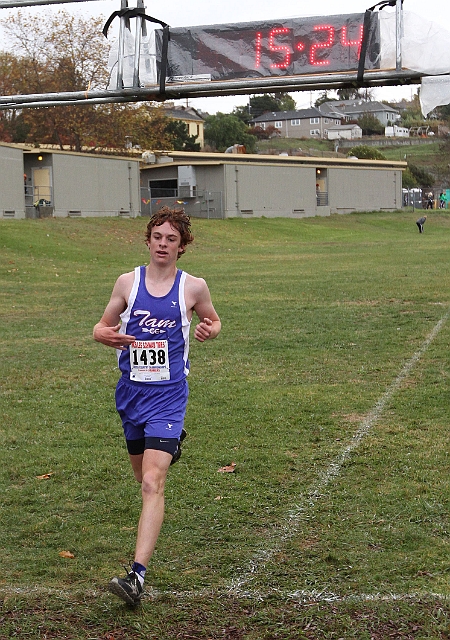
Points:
x=178 y=219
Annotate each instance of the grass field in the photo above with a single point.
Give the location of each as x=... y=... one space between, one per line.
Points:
x=329 y=389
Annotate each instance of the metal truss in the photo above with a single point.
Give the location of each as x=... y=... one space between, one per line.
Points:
x=171 y=90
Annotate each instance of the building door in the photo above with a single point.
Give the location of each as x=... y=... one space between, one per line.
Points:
x=42 y=184
x=321 y=187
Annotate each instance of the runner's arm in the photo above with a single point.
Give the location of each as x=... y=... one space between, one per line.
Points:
x=209 y=325
x=106 y=330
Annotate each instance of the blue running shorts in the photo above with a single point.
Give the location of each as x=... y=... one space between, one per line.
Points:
x=151 y=414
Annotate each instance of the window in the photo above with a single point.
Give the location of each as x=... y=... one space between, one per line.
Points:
x=262 y=125
x=295 y=123
x=278 y=124
x=337 y=122
x=326 y=120
x=314 y=121
x=314 y=132
x=163 y=188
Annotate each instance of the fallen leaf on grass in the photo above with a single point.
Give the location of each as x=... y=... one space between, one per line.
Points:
x=66 y=554
x=45 y=476
x=228 y=469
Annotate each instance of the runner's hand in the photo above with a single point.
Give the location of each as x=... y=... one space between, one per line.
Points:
x=111 y=337
x=203 y=330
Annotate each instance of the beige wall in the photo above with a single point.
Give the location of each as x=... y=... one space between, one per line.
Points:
x=364 y=190
x=12 y=192
x=270 y=191
x=96 y=186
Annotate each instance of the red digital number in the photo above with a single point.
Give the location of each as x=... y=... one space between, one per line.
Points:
x=321 y=45
x=352 y=43
x=274 y=47
x=258 y=50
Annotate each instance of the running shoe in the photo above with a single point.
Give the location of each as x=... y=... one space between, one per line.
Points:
x=129 y=589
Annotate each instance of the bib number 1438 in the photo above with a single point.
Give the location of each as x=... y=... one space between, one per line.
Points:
x=149 y=361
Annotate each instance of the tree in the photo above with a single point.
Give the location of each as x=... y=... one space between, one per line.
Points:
x=365 y=152
x=370 y=125
x=444 y=112
x=324 y=97
x=264 y=134
x=224 y=130
x=271 y=102
x=63 y=53
x=409 y=181
x=57 y=53
x=147 y=126
x=412 y=115
x=423 y=178
x=354 y=93
x=178 y=131
x=243 y=113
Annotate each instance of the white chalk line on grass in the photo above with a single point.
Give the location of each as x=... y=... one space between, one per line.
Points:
x=302 y=596
x=289 y=529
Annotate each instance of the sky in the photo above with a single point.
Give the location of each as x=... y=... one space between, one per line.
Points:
x=202 y=12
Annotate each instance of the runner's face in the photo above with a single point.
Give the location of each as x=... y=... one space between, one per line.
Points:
x=164 y=243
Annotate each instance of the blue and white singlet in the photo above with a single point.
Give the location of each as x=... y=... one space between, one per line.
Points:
x=160 y=352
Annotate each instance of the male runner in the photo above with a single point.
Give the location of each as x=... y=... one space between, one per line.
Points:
x=147 y=320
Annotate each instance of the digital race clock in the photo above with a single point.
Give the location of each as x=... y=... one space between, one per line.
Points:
x=290 y=47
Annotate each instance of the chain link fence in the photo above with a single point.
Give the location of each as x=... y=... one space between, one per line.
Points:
x=204 y=204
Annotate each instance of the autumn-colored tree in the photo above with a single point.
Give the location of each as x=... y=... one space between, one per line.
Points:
x=56 y=53
x=65 y=53
x=146 y=125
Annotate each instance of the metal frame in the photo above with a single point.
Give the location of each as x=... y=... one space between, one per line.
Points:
x=244 y=86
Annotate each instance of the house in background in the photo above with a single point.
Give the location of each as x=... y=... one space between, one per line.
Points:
x=302 y=123
x=191 y=117
x=355 y=109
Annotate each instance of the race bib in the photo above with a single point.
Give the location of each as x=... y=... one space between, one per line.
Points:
x=149 y=361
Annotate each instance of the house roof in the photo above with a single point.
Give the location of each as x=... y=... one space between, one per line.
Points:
x=342 y=127
x=300 y=114
x=206 y=158
x=349 y=107
x=182 y=113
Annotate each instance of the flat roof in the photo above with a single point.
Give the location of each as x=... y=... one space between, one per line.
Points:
x=203 y=158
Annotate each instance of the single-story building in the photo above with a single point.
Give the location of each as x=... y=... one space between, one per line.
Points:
x=302 y=123
x=220 y=185
x=344 y=132
x=46 y=181
x=396 y=132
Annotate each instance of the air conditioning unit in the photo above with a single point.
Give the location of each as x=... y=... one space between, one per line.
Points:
x=187 y=182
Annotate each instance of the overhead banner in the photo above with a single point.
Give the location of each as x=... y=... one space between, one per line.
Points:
x=266 y=49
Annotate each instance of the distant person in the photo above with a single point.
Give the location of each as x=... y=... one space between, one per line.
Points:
x=420 y=222
x=442 y=200
x=147 y=320
x=430 y=201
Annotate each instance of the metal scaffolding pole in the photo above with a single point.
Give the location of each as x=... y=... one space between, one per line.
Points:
x=203 y=90
x=17 y=4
